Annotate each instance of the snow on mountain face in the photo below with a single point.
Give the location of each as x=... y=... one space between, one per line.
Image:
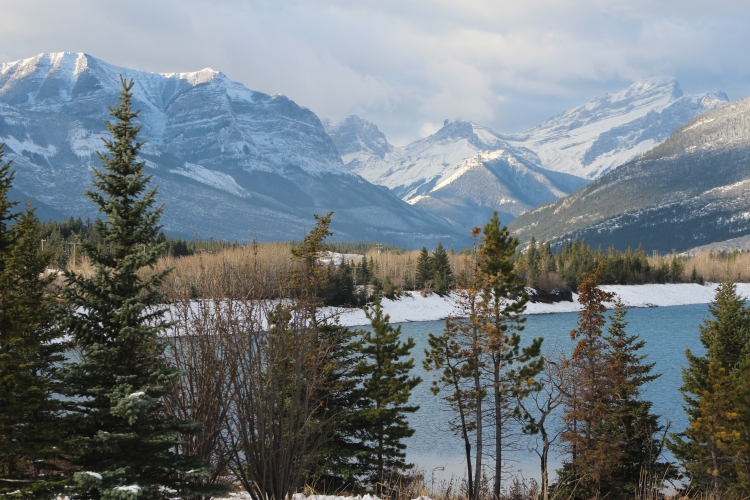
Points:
x=589 y=140
x=227 y=121
x=354 y=134
x=463 y=172
x=415 y=169
x=230 y=162
x=492 y=181
x=691 y=190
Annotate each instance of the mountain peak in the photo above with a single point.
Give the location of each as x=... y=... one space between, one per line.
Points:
x=648 y=87
x=355 y=134
x=607 y=131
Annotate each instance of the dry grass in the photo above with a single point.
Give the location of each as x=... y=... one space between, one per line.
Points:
x=714 y=267
x=257 y=271
x=262 y=269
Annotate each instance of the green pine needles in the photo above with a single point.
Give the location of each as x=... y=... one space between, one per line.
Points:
x=122 y=442
x=715 y=448
x=386 y=388
x=29 y=351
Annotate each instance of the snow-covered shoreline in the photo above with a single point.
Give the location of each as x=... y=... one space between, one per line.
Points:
x=412 y=306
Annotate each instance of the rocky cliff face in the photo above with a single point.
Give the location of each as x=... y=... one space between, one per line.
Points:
x=229 y=162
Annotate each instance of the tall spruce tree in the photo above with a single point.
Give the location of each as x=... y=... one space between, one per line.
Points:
x=512 y=367
x=711 y=412
x=631 y=424
x=122 y=441
x=442 y=274
x=424 y=275
x=384 y=395
x=29 y=351
x=592 y=454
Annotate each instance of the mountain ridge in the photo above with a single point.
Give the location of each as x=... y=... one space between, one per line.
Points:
x=691 y=190
x=541 y=164
x=230 y=162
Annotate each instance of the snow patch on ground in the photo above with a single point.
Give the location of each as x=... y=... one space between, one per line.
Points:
x=413 y=307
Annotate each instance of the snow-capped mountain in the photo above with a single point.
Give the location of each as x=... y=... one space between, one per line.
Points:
x=692 y=190
x=229 y=162
x=463 y=172
x=606 y=132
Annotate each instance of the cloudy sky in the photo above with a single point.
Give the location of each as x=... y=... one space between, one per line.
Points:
x=408 y=64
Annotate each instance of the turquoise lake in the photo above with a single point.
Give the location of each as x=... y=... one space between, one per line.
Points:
x=668 y=331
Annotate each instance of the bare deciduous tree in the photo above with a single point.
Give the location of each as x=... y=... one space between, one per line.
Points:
x=555 y=382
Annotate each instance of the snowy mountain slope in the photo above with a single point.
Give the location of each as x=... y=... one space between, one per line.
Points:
x=563 y=152
x=489 y=181
x=229 y=162
x=589 y=140
x=463 y=172
x=692 y=190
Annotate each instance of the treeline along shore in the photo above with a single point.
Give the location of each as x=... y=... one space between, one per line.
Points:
x=356 y=271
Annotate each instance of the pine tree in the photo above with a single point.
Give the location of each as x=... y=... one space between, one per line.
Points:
x=442 y=275
x=457 y=361
x=337 y=463
x=503 y=302
x=459 y=354
x=726 y=338
x=714 y=432
x=29 y=350
x=632 y=426
x=122 y=442
x=587 y=416
x=741 y=462
x=424 y=275
x=385 y=392
x=533 y=257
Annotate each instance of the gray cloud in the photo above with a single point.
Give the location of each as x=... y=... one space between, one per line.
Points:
x=408 y=64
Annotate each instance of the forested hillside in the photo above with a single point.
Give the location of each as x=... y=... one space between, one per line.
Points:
x=691 y=190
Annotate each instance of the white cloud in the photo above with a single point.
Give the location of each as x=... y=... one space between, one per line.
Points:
x=407 y=63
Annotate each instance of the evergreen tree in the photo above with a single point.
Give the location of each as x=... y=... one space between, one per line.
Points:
x=338 y=463
x=385 y=392
x=587 y=415
x=512 y=368
x=741 y=404
x=632 y=426
x=424 y=275
x=363 y=272
x=442 y=274
x=122 y=442
x=726 y=338
x=456 y=357
x=533 y=257
x=29 y=350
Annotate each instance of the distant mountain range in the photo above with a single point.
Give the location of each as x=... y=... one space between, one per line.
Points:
x=234 y=163
x=462 y=172
x=465 y=171
x=692 y=190
x=230 y=162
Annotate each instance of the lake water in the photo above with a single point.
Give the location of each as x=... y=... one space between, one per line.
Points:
x=666 y=330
